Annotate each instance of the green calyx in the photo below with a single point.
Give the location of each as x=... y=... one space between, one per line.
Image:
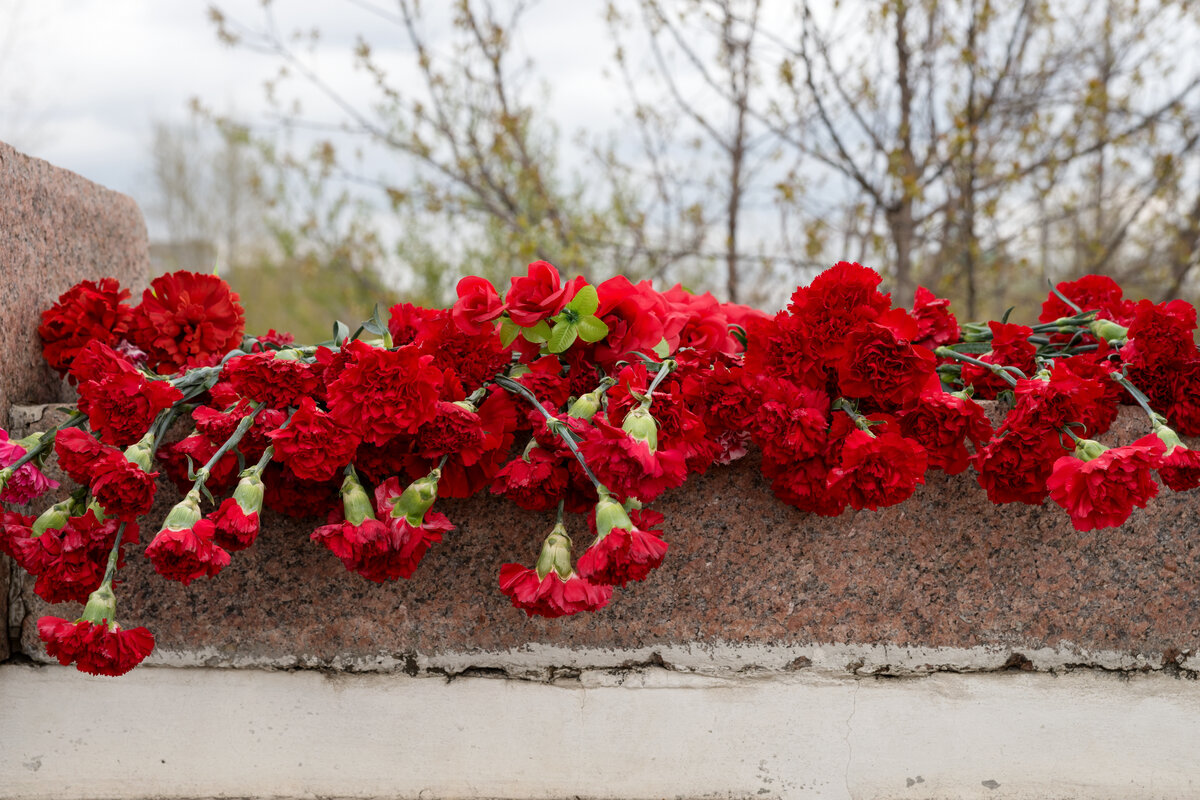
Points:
x=185 y=514
x=609 y=515
x=1169 y=437
x=1108 y=330
x=1087 y=449
x=249 y=493
x=288 y=354
x=101 y=608
x=587 y=405
x=417 y=499
x=556 y=554
x=639 y=423
x=5 y=476
x=53 y=518
x=142 y=452
x=355 y=501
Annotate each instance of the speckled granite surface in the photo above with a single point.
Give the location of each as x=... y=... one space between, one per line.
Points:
x=945 y=569
x=56 y=229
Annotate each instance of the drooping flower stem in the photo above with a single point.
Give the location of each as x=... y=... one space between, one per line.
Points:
x=664 y=369
x=553 y=424
x=1139 y=397
x=1005 y=373
x=46 y=441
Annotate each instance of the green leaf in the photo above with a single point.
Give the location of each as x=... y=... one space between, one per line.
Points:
x=662 y=349
x=592 y=329
x=562 y=336
x=538 y=333
x=509 y=331
x=585 y=302
x=340 y=331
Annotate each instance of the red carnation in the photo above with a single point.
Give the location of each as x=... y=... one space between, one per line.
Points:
x=942 y=422
x=535 y=481
x=184 y=554
x=87 y=311
x=936 y=324
x=278 y=379
x=879 y=361
x=1010 y=348
x=313 y=445
x=478 y=305
x=790 y=422
x=877 y=470
x=121 y=486
x=1091 y=293
x=837 y=301
x=551 y=596
x=1014 y=468
x=97 y=649
x=187 y=319
x=1099 y=487
x=69 y=561
x=1046 y=404
x=26 y=484
x=236 y=520
x=536 y=296
x=77 y=451
x=286 y=494
x=803 y=484
x=122 y=406
x=629 y=466
x=384 y=393
x=626 y=546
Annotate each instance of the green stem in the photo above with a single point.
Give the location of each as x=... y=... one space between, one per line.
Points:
x=76 y=419
x=664 y=369
x=240 y=431
x=996 y=369
x=114 y=555
x=563 y=432
x=1139 y=397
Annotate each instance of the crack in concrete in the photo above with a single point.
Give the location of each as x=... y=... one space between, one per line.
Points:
x=846 y=739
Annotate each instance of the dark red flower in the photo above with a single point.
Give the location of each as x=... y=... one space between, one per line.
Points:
x=1014 y=468
x=880 y=363
x=535 y=296
x=188 y=553
x=121 y=486
x=942 y=423
x=1099 y=487
x=233 y=528
x=122 y=406
x=77 y=451
x=295 y=497
x=187 y=319
x=473 y=358
x=97 y=649
x=790 y=422
x=278 y=378
x=478 y=305
x=1046 y=404
x=405 y=320
x=551 y=596
x=535 y=482
x=877 y=469
x=803 y=484
x=384 y=393
x=87 y=311
x=69 y=561
x=838 y=300
x=313 y=445
x=936 y=324
x=1091 y=293
x=628 y=466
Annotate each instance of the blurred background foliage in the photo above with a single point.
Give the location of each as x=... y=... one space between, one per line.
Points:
x=978 y=148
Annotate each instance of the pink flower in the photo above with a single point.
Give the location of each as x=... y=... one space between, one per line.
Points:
x=27 y=483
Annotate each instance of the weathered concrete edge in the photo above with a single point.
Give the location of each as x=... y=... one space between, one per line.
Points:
x=706 y=661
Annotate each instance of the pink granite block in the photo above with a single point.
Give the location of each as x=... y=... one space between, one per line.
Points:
x=944 y=569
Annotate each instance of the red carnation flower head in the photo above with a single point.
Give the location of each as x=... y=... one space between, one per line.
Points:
x=26 y=483
x=880 y=363
x=1100 y=486
x=1180 y=465
x=184 y=549
x=69 y=555
x=536 y=481
x=478 y=305
x=313 y=445
x=235 y=522
x=1013 y=468
x=413 y=526
x=942 y=423
x=1160 y=334
x=875 y=470
x=187 y=319
x=276 y=378
x=123 y=482
x=1091 y=293
x=838 y=300
x=381 y=394
x=622 y=551
x=1051 y=400
x=95 y=643
x=552 y=588
x=120 y=402
x=77 y=451
x=535 y=296
x=936 y=324
x=627 y=465
x=86 y=312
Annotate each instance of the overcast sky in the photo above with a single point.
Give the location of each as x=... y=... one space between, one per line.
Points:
x=83 y=81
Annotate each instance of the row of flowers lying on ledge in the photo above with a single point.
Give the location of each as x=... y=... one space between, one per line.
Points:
x=589 y=399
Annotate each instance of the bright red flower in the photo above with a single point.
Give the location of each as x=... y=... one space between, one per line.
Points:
x=624 y=554
x=97 y=361
x=473 y=358
x=535 y=296
x=838 y=300
x=638 y=320
x=186 y=554
x=87 y=311
x=879 y=361
x=478 y=305
x=271 y=337
x=790 y=422
x=1046 y=405
x=405 y=320
x=69 y=562
x=877 y=470
x=14 y=527
x=551 y=596
x=627 y=466
x=936 y=324
x=104 y=649
x=121 y=486
x=1102 y=491
x=1180 y=468
x=187 y=319
x=174 y=459
x=364 y=548
x=1160 y=334
x=313 y=445
x=402 y=550
x=77 y=452
x=217 y=426
x=942 y=423
x=27 y=483
x=277 y=378
x=1091 y=292
x=122 y=406
x=233 y=528
x=384 y=393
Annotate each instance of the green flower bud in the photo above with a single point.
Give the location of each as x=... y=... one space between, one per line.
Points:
x=249 y=493
x=5 y=476
x=610 y=514
x=54 y=517
x=639 y=423
x=1169 y=437
x=142 y=452
x=1108 y=330
x=1087 y=449
x=556 y=554
x=586 y=406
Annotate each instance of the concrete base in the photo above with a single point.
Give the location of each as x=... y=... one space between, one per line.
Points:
x=180 y=733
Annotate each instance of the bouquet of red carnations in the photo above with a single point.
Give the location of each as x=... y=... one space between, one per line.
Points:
x=589 y=399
